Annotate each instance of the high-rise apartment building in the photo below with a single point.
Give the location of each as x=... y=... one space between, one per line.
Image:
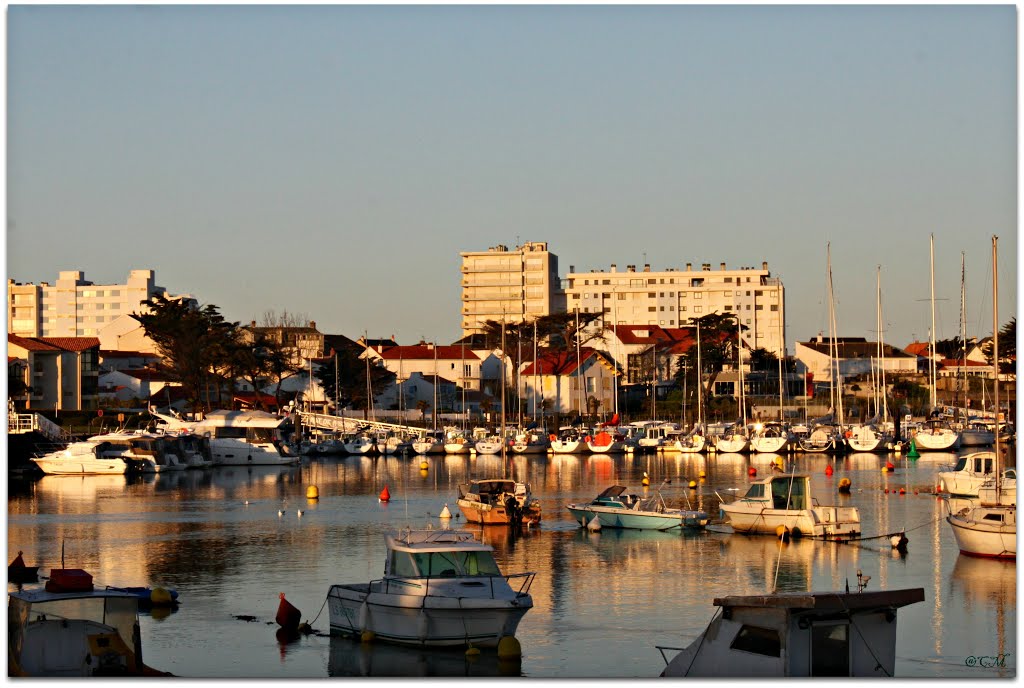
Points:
x=75 y=307
x=517 y=285
x=672 y=297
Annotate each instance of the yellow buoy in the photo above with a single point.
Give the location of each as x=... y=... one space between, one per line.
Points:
x=367 y=636
x=424 y=465
x=159 y=596
x=473 y=651
x=702 y=475
x=646 y=481
x=693 y=484
x=509 y=647
x=783 y=533
x=312 y=492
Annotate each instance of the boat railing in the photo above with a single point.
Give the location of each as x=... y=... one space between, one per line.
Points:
x=525 y=581
x=662 y=648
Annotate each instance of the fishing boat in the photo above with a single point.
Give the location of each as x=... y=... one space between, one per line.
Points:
x=81 y=458
x=785 y=501
x=440 y=588
x=75 y=632
x=498 y=501
x=990 y=528
x=797 y=634
x=769 y=438
x=656 y=435
x=969 y=474
x=614 y=508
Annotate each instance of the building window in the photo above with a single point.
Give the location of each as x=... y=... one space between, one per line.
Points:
x=697 y=309
x=682 y=309
x=758 y=307
x=728 y=280
x=621 y=296
x=758 y=293
x=606 y=281
x=652 y=295
x=775 y=306
x=652 y=309
x=652 y=281
x=698 y=295
x=671 y=308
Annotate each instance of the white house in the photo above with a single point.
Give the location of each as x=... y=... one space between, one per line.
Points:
x=854 y=356
x=567 y=380
x=132 y=384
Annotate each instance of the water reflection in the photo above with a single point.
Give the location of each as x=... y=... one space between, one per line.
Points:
x=350 y=657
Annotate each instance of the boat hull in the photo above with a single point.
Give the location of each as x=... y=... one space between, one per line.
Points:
x=494 y=514
x=946 y=440
x=433 y=621
x=977 y=537
x=635 y=520
x=733 y=444
x=80 y=467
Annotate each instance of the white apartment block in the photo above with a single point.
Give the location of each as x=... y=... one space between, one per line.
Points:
x=670 y=298
x=517 y=285
x=75 y=307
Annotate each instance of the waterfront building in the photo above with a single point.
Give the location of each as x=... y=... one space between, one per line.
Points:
x=76 y=307
x=855 y=356
x=672 y=297
x=518 y=285
x=568 y=382
x=62 y=373
x=303 y=342
x=458 y=363
x=127 y=384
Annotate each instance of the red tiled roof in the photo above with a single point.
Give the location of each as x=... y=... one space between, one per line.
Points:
x=251 y=397
x=960 y=362
x=424 y=352
x=558 y=362
x=30 y=343
x=71 y=343
x=917 y=348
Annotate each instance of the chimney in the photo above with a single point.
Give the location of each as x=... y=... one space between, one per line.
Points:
x=689 y=266
x=312 y=324
x=723 y=267
x=630 y=268
x=764 y=265
x=572 y=269
x=613 y=267
x=430 y=346
x=647 y=267
x=253 y=324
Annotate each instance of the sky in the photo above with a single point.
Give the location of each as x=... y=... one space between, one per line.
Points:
x=334 y=161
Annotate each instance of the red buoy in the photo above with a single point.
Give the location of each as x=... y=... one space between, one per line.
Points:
x=385 y=496
x=828 y=469
x=18 y=562
x=889 y=466
x=752 y=471
x=903 y=491
x=288 y=617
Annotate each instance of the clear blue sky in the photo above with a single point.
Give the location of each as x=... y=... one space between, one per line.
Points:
x=334 y=161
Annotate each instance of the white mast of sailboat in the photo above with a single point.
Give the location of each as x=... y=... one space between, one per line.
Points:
x=881 y=346
x=963 y=337
x=700 y=382
x=995 y=354
x=931 y=358
x=834 y=364
x=579 y=387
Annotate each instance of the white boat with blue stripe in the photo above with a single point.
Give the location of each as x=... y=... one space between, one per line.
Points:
x=613 y=508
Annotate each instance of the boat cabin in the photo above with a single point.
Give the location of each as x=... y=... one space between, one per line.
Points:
x=981 y=463
x=494 y=492
x=791 y=492
x=85 y=633
x=798 y=634
x=439 y=554
x=615 y=497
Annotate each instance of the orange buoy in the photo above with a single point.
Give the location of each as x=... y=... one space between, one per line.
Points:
x=751 y=471
x=385 y=496
x=828 y=469
x=889 y=466
x=288 y=617
x=903 y=491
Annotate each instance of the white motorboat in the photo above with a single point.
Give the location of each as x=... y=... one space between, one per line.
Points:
x=785 y=501
x=769 y=438
x=240 y=438
x=613 y=508
x=656 y=436
x=967 y=476
x=440 y=588
x=69 y=633
x=936 y=435
x=192 y=450
x=143 y=451
x=81 y=458
x=797 y=634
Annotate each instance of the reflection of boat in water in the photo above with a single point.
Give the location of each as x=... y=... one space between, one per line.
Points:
x=349 y=657
x=440 y=588
x=797 y=634
x=85 y=487
x=991 y=583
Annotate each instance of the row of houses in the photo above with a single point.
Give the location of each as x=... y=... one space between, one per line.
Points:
x=78 y=373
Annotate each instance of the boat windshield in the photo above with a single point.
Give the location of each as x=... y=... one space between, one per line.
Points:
x=444 y=564
x=756 y=491
x=116 y=612
x=797 y=496
x=961 y=464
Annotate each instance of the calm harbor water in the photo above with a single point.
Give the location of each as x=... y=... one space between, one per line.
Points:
x=602 y=601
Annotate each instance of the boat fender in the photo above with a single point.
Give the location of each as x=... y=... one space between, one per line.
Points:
x=509 y=647
x=364 y=618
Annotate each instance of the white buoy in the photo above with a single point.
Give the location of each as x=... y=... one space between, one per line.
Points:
x=445 y=513
x=247 y=502
x=594 y=525
x=299 y=512
x=280 y=512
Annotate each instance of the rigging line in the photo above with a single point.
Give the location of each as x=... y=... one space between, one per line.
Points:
x=322 y=611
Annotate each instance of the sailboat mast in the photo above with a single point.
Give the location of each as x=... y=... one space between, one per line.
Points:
x=881 y=344
x=535 y=369
x=700 y=382
x=834 y=374
x=931 y=357
x=504 y=439
x=963 y=335
x=433 y=412
x=995 y=352
x=579 y=387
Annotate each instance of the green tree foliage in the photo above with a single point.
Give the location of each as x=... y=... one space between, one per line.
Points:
x=1007 y=347
x=194 y=343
